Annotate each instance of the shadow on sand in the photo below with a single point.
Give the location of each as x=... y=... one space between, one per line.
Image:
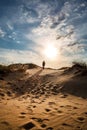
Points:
x=37 y=73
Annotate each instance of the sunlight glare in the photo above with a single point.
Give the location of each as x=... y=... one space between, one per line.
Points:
x=50 y=52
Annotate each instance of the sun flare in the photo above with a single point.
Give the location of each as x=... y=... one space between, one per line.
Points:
x=50 y=52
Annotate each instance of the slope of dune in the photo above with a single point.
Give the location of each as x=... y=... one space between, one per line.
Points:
x=35 y=99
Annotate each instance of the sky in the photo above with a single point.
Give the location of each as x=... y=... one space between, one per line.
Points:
x=35 y=30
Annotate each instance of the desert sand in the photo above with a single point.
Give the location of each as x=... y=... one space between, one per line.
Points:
x=49 y=99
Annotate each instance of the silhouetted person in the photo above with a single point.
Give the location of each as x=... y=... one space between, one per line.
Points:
x=43 y=64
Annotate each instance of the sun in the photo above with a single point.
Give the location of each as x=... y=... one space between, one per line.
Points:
x=50 y=52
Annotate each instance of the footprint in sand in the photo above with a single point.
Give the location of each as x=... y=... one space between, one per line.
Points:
x=49 y=128
x=34 y=106
x=5 y=123
x=59 y=111
x=79 y=128
x=51 y=103
x=9 y=93
x=22 y=116
x=75 y=107
x=61 y=106
x=37 y=119
x=28 y=126
x=43 y=125
x=47 y=110
x=22 y=113
x=66 y=124
x=80 y=119
x=2 y=94
x=85 y=113
x=40 y=120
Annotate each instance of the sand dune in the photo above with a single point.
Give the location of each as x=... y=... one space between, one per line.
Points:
x=37 y=99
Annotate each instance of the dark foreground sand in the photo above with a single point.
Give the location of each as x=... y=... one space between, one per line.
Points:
x=45 y=103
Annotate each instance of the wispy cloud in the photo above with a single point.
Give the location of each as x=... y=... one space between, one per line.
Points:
x=10 y=26
x=18 y=56
x=2 y=33
x=28 y=14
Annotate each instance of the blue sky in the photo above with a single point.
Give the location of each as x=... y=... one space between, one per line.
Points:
x=27 y=27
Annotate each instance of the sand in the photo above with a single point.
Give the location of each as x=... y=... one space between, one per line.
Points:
x=43 y=100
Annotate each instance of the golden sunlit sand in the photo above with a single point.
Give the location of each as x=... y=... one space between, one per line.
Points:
x=35 y=99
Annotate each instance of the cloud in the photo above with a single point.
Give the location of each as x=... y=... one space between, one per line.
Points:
x=83 y=5
x=18 y=56
x=74 y=49
x=28 y=11
x=72 y=44
x=28 y=14
x=18 y=42
x=66 y=33
x=62 y=15
x=10 y=26
x=38 y=23
x=13 y=36
x=2 y=33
